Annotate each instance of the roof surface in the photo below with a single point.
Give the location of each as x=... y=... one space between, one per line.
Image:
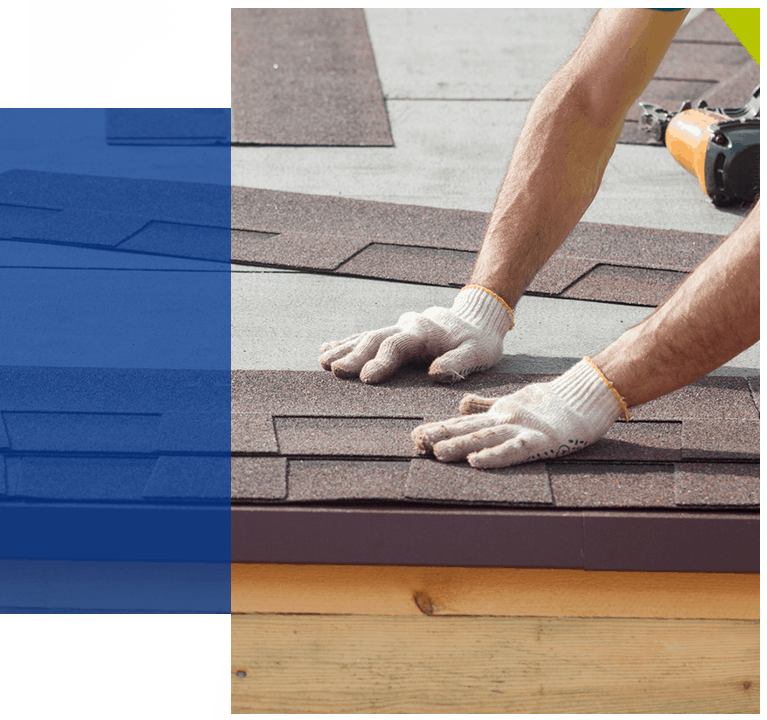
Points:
x=609 y=263
x=305 y=441
x=323 y=469
x=308 y=77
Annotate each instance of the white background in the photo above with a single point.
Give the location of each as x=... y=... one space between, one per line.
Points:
x=76 y=45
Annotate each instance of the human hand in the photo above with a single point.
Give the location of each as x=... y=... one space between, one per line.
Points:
x=538 y=422
x=461 y=340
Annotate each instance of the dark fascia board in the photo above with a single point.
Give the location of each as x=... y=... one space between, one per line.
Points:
x=591 y=540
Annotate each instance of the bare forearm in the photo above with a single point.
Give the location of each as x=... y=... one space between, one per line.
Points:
x=566 y=143
x=554 y=173
x=711 y=318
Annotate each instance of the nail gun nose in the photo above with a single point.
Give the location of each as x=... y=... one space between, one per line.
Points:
x=654 y=121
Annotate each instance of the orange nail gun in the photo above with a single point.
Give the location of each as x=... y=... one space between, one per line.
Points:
x=720 y=146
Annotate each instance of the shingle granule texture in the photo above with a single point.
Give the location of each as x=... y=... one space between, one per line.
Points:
x=432 y=246
x=345 y=441
x=717 y=484
x=305 y=77
x=632 y=286
x=318 y=480
x=389 y=437
x=461 y=483
x=260 y=478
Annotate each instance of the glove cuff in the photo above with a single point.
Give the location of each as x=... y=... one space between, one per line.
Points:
x=588 y=392
x=483 y=308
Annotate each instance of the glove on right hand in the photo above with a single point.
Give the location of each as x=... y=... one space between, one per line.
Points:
x=539 y=422
x=464 y=339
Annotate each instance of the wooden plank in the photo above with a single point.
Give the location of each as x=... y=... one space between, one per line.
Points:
x=353 y=664
x=397 y=590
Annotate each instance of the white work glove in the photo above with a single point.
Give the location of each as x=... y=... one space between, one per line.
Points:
x=538 y=422
x=464 y=339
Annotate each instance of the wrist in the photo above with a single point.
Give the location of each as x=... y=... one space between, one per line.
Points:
x=484 y=309
x=584 y=388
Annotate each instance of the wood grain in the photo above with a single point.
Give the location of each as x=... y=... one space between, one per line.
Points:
x=355 y=664
x=392 y=590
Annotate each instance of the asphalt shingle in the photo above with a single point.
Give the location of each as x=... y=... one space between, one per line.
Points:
x=328 y=480
x=259 y=478
x=721 y=439
x=253 y=432
x=717 y=484
x=81 y=432
x=308 y=77
x=627 y=285
x=305 y=77
x=753 y=383
x=432 y=481
x=347 y=441
x=432 y=246
x=594 y=486
x=355 y=436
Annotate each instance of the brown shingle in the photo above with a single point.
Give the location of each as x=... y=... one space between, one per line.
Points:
x=408 y=394
x=713 y=398
x=428 y=266
x=592 y=485
x=295 y=250
x=717 y=484
x=631 y=467
x=317 y=480
x=382 y=436
x=434 y=246
x=432 y=480
x=305 y=77
x=702 y=61
x=253 y=433
x=753 y=383
x=636 y=441
x=632 y=286
x=259 y=478
x=720 y=439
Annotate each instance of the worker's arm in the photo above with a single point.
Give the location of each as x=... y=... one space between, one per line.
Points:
x=712 y=317
x=554 y=173
x=566 y=143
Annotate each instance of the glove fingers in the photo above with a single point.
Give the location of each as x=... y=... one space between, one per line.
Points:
x=394 y=352
x=458 y=448
x=467 y=358
x=335 y=351
x=472 y=404
x=428 y=435
x=330 y=344
x=526 y=446
x=365 y=349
